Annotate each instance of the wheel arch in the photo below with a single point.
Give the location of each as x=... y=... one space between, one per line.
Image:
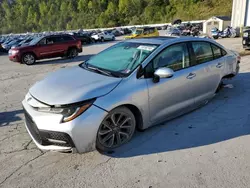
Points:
x=137 y=113
x=30 y=52
x=71 y=47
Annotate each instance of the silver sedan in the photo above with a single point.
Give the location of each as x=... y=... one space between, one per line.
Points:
x=132 y=85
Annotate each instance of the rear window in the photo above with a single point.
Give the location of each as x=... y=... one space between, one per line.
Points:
x=203 y=52
x=218 y=52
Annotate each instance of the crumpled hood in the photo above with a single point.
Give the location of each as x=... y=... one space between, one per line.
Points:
x=72 y=85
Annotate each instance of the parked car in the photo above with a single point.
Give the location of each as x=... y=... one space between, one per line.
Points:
x=132 y=85
x=116 y=33
x=172 y=31
x=103 y=36
x=143 y=32
x=126 y=31
x=46 y=47
x=84 y=37
x=246 y=39
x=24 y=42
x=8 y=46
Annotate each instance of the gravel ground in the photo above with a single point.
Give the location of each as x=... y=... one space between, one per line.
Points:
x=206 y=148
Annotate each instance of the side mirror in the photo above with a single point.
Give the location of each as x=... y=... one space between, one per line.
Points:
x=162 y=73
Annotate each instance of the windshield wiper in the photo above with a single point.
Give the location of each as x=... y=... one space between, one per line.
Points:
x=99 y=70
x=102 y=71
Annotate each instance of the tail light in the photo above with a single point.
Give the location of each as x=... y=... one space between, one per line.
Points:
x=79 y=43
x=238 y=58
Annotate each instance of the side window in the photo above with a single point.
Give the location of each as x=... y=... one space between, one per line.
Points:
x=223 y=52
x=50 y=40
x=58 y=39
x=175 y=57
x=203 y=52
x=217 y=51
x=67 y=38
x=42 y=42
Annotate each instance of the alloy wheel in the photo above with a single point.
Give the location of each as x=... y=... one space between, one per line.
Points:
x=116 y=129
x=29 y=59
x=73 y=53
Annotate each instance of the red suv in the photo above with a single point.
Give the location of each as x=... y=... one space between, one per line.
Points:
x=46 y=47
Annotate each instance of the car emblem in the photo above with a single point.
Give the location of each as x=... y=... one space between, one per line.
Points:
x=29 y=99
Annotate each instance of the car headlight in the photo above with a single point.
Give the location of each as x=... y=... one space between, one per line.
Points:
x=245 y=34
x=14 y=52
x=68 y=113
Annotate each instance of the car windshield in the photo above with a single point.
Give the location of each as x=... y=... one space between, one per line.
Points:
x=35 y=40
x=123 y=57
x=138 y=31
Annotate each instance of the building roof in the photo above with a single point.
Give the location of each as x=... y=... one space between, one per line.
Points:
x=225 y=18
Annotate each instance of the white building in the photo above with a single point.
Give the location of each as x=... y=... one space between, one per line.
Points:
x=220 y=22
x=241 y=13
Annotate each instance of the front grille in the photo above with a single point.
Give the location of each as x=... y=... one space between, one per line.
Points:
x=47 y=137
x=32 y=127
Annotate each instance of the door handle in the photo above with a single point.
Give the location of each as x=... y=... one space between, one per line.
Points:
x=219 y=65
x=191 y=75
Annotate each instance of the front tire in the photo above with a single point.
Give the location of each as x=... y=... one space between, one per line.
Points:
x=116 y=129
x=28 y=59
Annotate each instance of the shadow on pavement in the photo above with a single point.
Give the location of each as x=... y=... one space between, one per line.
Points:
x=225 y=117
x=9 y=117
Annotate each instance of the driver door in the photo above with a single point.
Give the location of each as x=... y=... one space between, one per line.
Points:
x=171 y=97
x=43 y=49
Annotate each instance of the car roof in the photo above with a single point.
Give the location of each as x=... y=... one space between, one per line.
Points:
x=163 y=40
x=152 y=40
x=57 y=35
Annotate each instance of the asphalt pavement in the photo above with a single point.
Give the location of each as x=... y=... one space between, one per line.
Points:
x=206 y=148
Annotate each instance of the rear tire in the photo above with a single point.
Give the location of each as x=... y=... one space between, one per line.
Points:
x=72 y=53
x=28 y=59
x=219 y=87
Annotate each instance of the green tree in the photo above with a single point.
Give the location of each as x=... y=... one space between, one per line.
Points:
x=43 y=15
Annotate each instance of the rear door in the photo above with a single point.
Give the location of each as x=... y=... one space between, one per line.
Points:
x=58 y=46
x=208 y=66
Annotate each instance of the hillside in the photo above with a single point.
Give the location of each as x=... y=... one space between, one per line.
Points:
x=44 y=15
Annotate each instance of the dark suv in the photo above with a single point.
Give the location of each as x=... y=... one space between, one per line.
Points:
x=46 y=47
x=84 y=37
x=246 y=38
